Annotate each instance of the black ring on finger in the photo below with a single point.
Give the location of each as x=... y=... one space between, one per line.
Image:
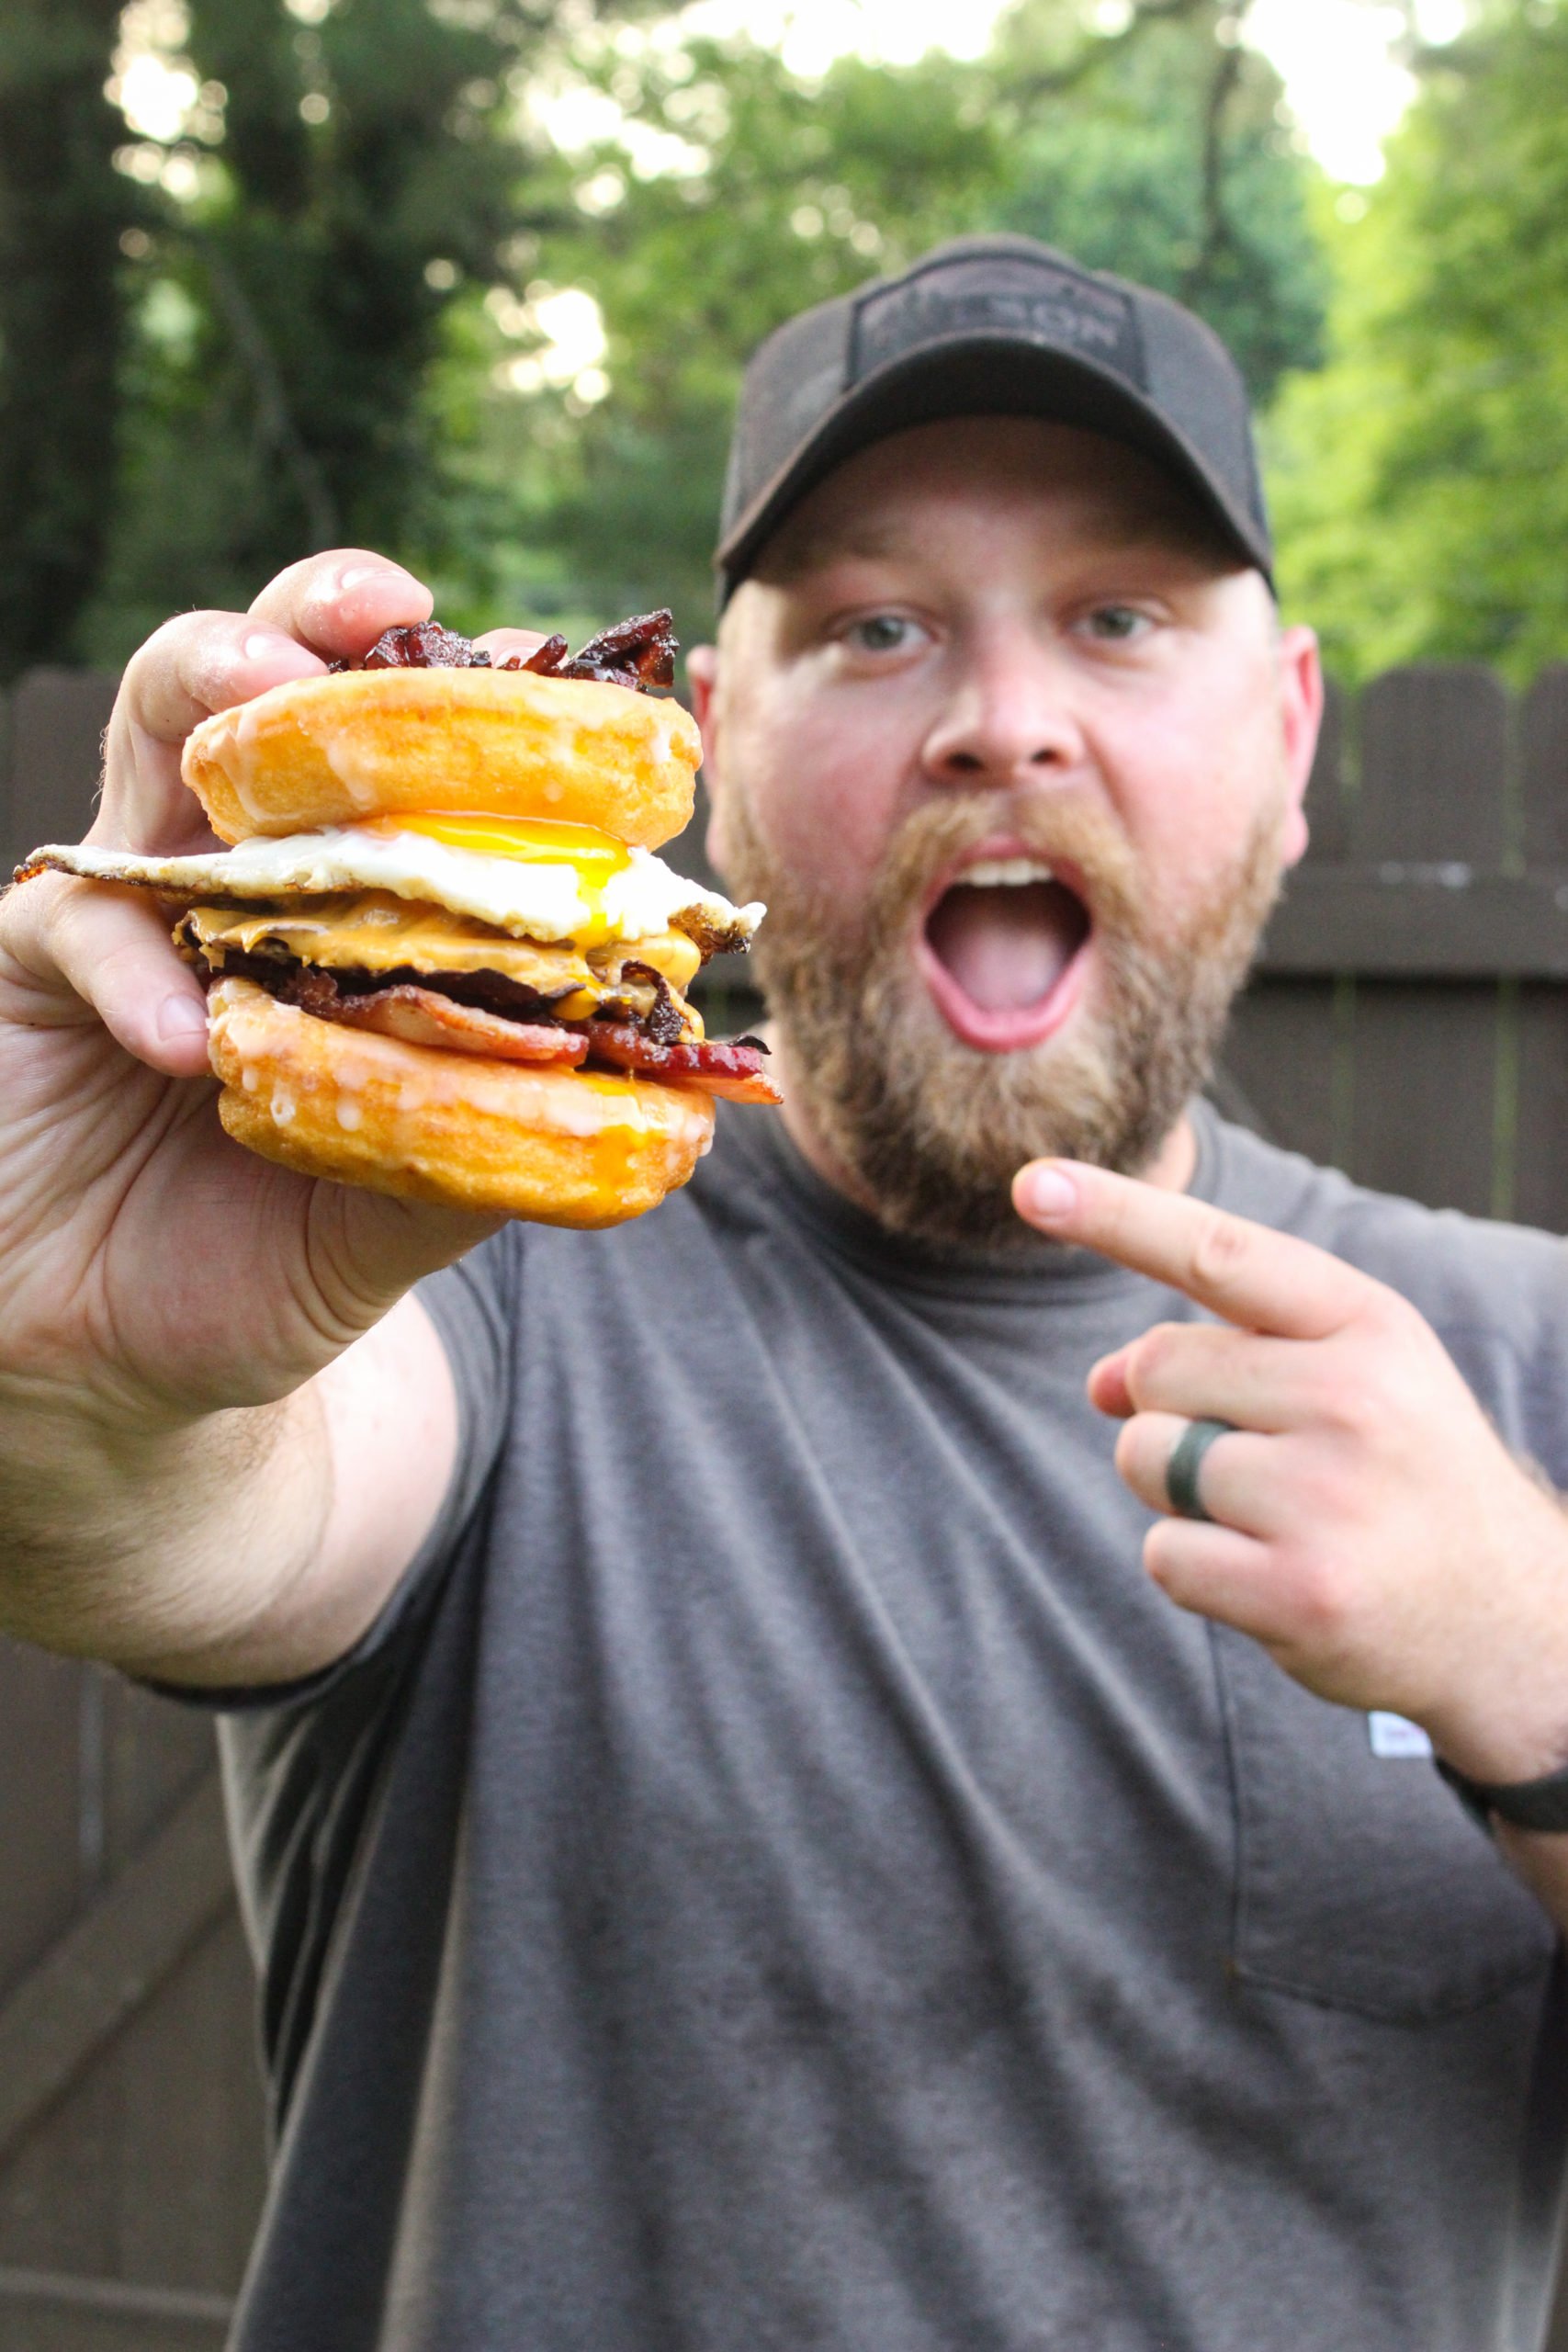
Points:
x=1183 y=1470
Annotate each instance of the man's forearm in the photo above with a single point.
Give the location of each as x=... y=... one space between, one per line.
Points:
x=147 y=1546
x=248 y=1545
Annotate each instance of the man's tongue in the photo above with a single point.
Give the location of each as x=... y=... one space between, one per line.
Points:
x=1006 y=945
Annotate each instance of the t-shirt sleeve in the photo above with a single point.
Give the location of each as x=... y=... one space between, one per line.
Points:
x=471 y=1304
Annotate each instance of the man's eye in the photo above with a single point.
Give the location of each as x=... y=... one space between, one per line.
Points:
x=881 y=633
x=1116 y=623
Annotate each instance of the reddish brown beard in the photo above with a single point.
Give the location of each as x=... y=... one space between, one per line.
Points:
x=934 y=1130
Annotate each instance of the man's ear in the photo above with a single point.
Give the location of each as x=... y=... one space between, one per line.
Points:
x=702 y=671
x=1301 y=716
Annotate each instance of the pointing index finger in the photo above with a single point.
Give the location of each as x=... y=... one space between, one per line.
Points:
x=1264 y=1281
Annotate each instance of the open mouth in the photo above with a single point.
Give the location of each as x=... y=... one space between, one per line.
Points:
x=1002 y=950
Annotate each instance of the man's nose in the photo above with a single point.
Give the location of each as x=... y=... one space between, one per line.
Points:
x=1007 y=719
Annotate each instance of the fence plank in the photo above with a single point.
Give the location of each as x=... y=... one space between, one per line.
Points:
x=1543 y=770
x=45 y=2310
x=155 y=1752
x=1424 y=1110
x=40 y=1856
x=59 y=2187
x=58 y=2290
x=1540 y=1142
x=1445 y=920
x=1281 y=1052
x=191 y=2175
x=107 y=1964
x=1434 y=759
x=152 y=2166
x=58 y=717
x=1433 y=781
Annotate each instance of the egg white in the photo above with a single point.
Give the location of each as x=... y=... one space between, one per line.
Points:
x=532 y=900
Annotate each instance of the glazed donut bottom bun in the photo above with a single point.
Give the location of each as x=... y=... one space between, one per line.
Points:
x=559 y=1146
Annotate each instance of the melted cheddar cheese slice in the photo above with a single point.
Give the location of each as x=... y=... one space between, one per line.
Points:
x=375 y=933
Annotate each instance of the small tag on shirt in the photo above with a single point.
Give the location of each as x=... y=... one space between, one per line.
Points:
x=1396 y=1736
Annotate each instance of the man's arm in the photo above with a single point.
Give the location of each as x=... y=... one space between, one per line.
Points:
x=1369 y=1527
x=222 y=1435
x=247 y=1546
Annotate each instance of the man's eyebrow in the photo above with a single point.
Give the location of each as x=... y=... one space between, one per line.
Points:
x=795 y=553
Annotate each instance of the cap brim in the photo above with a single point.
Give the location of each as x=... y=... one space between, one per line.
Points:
x=984 y=375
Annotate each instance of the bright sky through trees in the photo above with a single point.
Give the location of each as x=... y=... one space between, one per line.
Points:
x=1345 y=88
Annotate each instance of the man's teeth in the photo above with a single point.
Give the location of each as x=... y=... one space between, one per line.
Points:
x=1004 y=873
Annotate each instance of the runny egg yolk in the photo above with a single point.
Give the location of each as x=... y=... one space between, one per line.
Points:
x=536 y=841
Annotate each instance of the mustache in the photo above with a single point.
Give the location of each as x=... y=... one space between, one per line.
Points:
x=1064 y=833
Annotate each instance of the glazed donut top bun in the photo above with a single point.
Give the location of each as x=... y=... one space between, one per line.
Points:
x=327 y=750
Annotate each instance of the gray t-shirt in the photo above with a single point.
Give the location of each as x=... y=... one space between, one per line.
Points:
x=781 y=1879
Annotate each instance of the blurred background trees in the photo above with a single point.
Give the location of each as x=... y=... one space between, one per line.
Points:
x=1421 y=480
x=472 y=281
x=730 y=194
x=62 y=208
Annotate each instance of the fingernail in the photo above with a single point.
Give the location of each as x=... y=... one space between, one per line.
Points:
x=357 y=574
x=271 y=645
x=1046 y=1193
x=179 y=1018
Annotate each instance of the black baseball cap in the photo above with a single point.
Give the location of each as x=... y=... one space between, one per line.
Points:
x=990 y=326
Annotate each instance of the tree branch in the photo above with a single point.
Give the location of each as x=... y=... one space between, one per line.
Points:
x=274 y=413
x=1054 y=80
x=1216 y=230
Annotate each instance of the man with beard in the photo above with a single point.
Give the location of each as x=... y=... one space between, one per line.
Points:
x=741 y=1852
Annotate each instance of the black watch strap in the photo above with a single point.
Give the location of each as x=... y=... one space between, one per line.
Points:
x=1527 y=1804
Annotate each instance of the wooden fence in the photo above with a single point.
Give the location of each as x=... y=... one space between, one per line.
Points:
x=1409 y=1021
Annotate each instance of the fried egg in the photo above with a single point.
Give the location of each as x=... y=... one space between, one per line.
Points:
x=533 y=889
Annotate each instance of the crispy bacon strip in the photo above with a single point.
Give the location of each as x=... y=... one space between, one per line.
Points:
x=711 y=1067
x=544 y=659
x=423 y=645
x=640 y=653
x=422 y=1017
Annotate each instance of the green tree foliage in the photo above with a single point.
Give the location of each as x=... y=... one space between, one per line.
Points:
x=1421 y=480
x=62 y=209
x=1177 y=172
x=287 y=312
x=1160 y=154
x=320 y=309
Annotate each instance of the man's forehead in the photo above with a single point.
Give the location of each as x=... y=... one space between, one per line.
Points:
x=880 y=504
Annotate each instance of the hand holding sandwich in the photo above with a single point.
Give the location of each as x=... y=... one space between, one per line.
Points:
x=152 y=1274
x=169 y=1300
